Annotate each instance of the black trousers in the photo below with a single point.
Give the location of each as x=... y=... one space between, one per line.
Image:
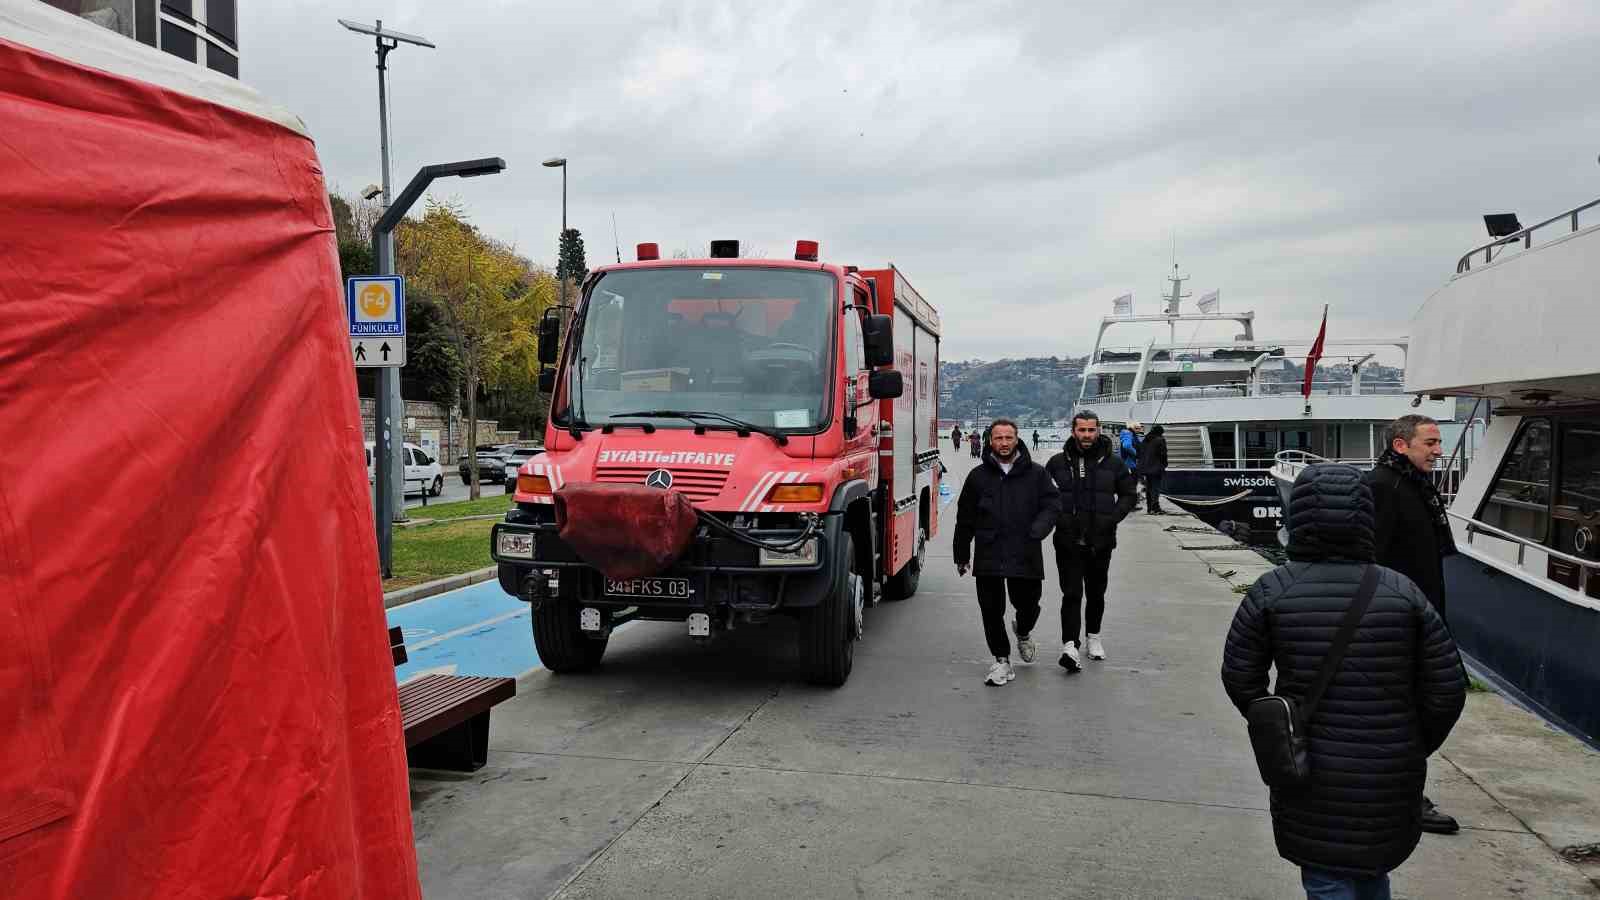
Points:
x=1152 y=492
x=1025 y=594
x=1084 y=571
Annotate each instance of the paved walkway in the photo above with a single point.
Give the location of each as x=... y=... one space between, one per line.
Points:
x=687 y=771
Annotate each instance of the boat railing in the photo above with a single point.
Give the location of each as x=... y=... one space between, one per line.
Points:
x=1237 y=389
x=1523 y=237
x=1448 y=474
x=1588 y=569
x=1292 y=462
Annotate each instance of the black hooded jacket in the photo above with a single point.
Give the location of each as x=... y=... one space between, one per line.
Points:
x=1094 y=502
x=1153 y=452
x=1009 y=515
x=1392 y=702
x=1406 y=539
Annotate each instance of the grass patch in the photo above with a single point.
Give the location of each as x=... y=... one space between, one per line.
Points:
x=438 y=551
x=492 y=504
x=1477 y=685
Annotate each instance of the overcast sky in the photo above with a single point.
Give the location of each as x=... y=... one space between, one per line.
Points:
x=1023 y=164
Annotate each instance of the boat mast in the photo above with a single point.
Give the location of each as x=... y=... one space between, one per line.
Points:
x=1174 y=299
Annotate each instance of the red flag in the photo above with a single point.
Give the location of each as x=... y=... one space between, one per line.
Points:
x=1315 y=354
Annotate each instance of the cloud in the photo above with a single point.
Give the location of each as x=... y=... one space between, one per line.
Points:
x=1023 y=163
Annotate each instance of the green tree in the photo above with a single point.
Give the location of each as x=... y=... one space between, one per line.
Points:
x=479 y=287
x=572 y=267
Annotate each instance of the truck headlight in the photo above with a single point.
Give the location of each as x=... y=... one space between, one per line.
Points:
x=514 y=544
x=804 y=555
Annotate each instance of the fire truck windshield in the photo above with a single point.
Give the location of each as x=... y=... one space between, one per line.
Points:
x=749 y=343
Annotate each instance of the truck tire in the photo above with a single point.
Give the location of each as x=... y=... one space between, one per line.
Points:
x=561 y=644
x=903 y=584
x=828 y=633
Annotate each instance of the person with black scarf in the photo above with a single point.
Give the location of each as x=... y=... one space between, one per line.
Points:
x=1413 y=533
x=1097 y=493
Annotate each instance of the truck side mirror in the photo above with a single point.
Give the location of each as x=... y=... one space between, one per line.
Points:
x=547 y=380
x=885 y=384
x=549 y=339
x=877 y=333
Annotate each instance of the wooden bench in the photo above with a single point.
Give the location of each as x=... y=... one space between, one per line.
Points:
x=446 y=717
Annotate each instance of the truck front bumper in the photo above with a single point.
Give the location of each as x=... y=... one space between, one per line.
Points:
x=722 y=573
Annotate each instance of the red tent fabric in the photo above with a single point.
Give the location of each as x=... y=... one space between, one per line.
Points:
x=196 y=695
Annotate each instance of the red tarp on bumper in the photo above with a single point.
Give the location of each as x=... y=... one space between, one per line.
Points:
x=196 y=695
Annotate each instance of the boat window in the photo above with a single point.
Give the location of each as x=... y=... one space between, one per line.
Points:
x=1579 y=487
x=1576 y=518
x=1519 y=500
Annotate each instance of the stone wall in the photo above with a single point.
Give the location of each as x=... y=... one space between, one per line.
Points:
x=450 y=425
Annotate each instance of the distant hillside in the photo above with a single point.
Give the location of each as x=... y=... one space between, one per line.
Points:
x=1039 y=390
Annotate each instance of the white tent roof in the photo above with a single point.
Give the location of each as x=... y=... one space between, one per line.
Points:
x=61 y=34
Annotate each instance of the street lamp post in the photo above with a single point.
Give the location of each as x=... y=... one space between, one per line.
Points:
x=383 y=249
x=389 y=483
x=560 y=162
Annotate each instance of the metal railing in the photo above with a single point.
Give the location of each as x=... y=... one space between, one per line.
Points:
x=1588 y=569
x=1524 y=237
x=1292 y=462
x=1240 y=389
x=1455 y=468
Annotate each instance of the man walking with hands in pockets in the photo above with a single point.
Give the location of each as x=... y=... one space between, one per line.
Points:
x=1097 y=493
x=1008 y=506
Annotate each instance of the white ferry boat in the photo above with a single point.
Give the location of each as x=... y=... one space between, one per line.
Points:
x=1516 y=326
x=1227 y=411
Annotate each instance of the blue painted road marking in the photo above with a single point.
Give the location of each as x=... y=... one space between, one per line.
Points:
x=476 y=630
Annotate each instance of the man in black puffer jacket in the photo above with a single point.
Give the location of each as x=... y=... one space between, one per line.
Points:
x=1153 y=467
x=1392 y=701
x=1097 y=493
x=1008 y=504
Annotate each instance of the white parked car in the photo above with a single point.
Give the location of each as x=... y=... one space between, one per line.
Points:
x=422 y=472
x=514 y=460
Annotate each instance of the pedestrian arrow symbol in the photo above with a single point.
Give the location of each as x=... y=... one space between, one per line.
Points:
x=378 y=352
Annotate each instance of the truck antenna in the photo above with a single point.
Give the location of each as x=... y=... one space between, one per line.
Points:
x=614 y=237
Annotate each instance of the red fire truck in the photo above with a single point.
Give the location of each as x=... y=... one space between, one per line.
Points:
x=792 y=402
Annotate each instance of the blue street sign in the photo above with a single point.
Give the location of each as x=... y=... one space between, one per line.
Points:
x=376 y=305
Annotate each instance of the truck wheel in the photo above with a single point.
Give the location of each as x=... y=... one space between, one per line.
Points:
x=561 y=644
x=828 y=634
x=903 y=583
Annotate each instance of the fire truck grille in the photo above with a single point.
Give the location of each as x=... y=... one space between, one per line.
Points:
x=696 y=484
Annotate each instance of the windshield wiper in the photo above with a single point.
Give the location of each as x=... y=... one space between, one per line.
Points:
x=742 y=427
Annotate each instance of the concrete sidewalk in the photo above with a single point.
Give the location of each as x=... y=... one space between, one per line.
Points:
x=686 y=771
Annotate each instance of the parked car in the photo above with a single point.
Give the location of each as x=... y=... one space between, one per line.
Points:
x=491 y=464
x=421 y=471
x=514 y=461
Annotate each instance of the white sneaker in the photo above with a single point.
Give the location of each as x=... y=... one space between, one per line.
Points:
x=1096 y=651
x=1000 y=673
x=1069 y=657
x=1027 y=648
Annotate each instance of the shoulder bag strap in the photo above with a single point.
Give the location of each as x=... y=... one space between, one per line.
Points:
x=1341 y=643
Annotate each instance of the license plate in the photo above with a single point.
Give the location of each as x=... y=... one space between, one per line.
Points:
x=649 y=588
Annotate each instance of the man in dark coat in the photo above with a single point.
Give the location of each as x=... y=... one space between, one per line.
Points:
x=1152 y=466
x=1413 y=534
x=955 y=437
x=1392 y=701
x=1008 y=504
x=1097 y=493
